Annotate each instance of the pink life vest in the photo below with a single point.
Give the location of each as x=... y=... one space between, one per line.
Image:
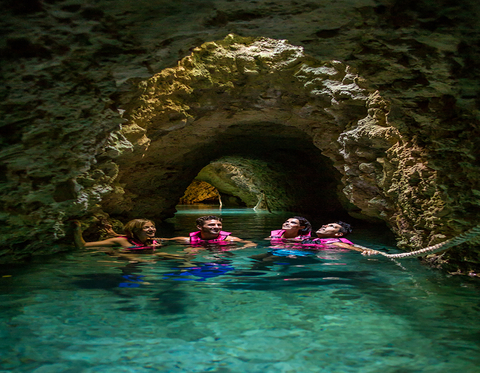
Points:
x=321 y=243
x=137 y=245
x=277 y=235
x=196 y=238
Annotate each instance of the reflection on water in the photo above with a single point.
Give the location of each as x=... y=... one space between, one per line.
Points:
x=227 y=312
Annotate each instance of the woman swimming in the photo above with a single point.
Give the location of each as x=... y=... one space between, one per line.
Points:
x=139 y=238
x=296 y=228
x=139 y=234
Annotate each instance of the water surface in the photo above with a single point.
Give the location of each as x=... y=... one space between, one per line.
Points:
x=225 y=312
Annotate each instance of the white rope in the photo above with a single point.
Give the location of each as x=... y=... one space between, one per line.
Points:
x=467 y=236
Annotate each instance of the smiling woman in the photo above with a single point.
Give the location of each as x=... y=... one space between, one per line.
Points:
x=296 y=228
x=139 y=233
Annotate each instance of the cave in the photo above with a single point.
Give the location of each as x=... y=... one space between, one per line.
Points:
x=373 y=109
x=366 y=111
x=267 y=110
x=273 y=174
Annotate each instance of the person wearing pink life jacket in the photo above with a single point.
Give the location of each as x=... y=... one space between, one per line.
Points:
x=139 y=234
x=210 y=233
x=138 y=238
x=331 y=235
x=294 y=229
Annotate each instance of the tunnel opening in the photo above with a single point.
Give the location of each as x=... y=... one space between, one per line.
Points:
x=261 y=165
x=203 y=193
x=244 y=164
x=284 y=167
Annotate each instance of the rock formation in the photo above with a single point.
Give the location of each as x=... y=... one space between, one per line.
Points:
x=116 y=107
x=198 y=192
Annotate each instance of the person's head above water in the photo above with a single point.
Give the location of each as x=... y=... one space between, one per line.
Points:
x=140 y=229
x=296 y=226
x=332 y=230
x=210 y=226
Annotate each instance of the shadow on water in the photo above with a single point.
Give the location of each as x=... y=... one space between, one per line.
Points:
x=169 y=300
x=415 y=303
x=302 y=280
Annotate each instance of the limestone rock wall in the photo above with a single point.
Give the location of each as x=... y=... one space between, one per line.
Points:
x=407 y=153
x=199 y=191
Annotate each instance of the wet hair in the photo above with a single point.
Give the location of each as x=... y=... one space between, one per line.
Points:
x=345 y=227
x=134 y=227
x=203 y=219
x=304 y=222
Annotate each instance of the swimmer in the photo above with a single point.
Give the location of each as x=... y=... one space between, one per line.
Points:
x=296 y=228
x=328 y=236
x=139 y=235
x=288 y=239
x=210 y=232
x=332 y=234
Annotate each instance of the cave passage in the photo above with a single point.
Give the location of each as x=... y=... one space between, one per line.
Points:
x=255 y=118
x=272 y=168
x=284 y=172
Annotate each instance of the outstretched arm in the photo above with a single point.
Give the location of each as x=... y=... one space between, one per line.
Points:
x=363 y=250
x=245 y=242
x=110 y=242
x=182 y=239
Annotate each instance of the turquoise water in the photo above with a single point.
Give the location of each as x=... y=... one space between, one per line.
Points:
x=225 y=312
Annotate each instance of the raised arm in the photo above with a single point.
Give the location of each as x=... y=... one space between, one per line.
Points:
x=109 y=242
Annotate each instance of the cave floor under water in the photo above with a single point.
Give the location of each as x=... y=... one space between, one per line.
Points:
x=85 y=312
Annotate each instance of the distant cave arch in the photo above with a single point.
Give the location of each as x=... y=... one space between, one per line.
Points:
x=255 y=97
x=200 y=192
x=287 y=180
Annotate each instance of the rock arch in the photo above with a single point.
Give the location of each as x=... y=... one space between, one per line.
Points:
x=251 y=95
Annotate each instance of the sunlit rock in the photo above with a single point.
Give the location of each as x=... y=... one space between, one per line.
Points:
x=200 y=191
